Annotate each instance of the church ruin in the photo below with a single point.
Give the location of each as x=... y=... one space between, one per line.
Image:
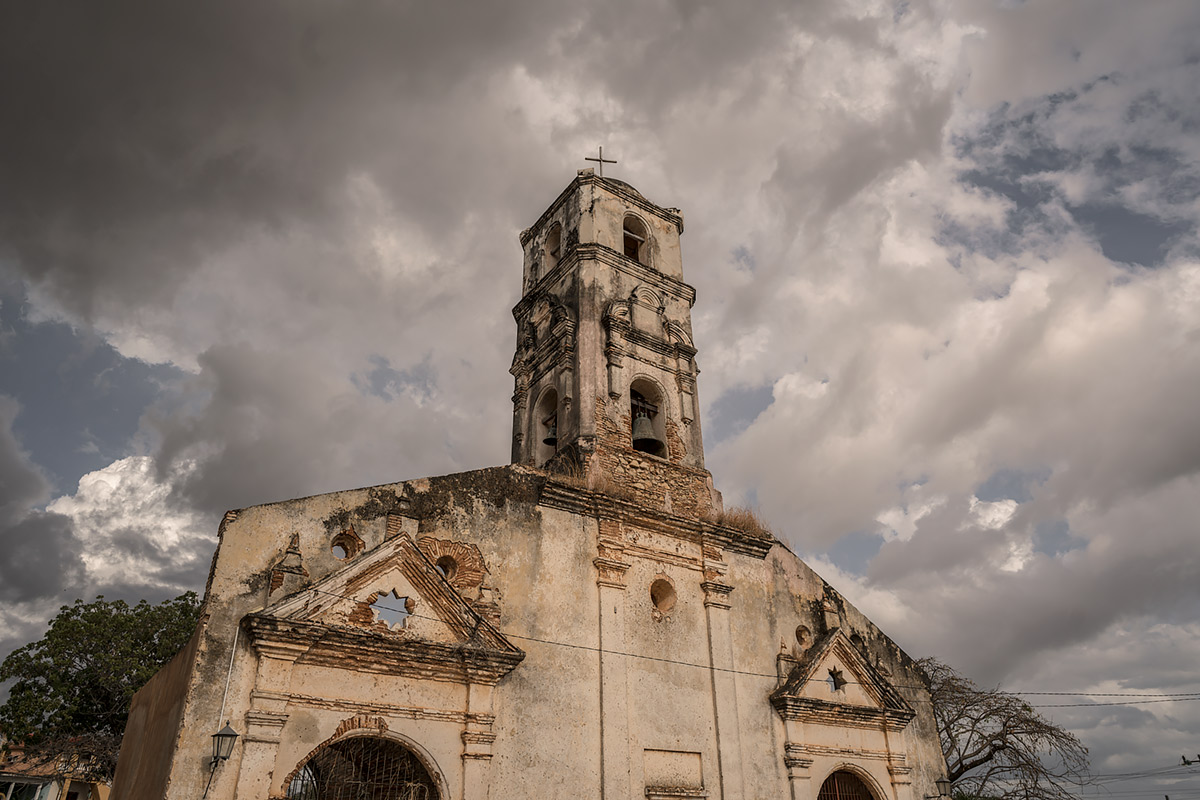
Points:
x=584 y=622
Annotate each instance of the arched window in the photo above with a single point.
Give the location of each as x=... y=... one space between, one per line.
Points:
x=649 y=421
x=635 y=236
x=553 y=246
x=844 y=785
x=545 y=427
x=363 y=768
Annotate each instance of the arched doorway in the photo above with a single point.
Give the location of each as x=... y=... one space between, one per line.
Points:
x=844 y=785
x=363 y=768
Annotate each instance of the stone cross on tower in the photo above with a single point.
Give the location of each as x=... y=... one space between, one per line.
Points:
x=601 y=161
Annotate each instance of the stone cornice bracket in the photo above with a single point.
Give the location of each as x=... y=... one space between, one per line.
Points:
x=610 y=572
x=795 y=757
x=716 y=594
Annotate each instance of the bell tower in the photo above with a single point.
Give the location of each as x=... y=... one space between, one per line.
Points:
x=605 y=369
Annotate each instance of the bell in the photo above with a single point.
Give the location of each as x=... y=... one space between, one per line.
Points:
x=644 y=438
x=551 y=435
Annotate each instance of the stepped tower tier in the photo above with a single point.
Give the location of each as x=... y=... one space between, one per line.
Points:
x=605 y=368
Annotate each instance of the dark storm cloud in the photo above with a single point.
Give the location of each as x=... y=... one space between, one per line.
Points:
x=150 y=131
x=37 y=555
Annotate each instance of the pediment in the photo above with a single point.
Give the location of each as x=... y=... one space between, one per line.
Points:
x=835 y=684
x=389 y=610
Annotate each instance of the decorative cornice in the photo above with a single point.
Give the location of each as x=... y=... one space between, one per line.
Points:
x=716 y=594
x=610 y=572
x=361 y=650
x=795 y=756
x=581 y=500
x=673 y=792
x=823 y=712
x=586 y=178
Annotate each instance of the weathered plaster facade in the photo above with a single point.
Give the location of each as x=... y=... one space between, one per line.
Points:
x=576 y=624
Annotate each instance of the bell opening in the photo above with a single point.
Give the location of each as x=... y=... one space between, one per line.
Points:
x=545 y=427
x=646 y=438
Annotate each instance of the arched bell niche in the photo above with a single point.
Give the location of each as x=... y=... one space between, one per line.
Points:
x=647 y=412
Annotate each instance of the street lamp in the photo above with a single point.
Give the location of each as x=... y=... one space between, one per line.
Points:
x=223 y=743
x=222 y=747
x=943 y=786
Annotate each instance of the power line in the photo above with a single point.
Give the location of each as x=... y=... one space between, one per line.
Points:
x=774 y=676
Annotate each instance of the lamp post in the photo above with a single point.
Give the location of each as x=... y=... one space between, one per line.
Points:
x=223 y=741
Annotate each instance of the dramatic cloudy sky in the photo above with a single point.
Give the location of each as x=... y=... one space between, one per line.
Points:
x=947 y=257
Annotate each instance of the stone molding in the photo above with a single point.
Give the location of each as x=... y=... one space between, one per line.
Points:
x=565 y=496
x=892 y=713
x=716 y=595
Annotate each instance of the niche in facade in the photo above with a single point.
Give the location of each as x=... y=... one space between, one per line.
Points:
x=649 y=424
x=553 y=246
x=636 y=240
x=662 y=596
x=545 y=426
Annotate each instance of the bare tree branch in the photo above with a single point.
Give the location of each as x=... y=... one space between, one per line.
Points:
x=997 y=746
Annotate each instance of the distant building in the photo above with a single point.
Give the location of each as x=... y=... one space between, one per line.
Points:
x=28 y=777
x=585 y=622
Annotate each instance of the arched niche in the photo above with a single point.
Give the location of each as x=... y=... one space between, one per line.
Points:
x=647 y=308
x=635 y=237
x=648 y=417
x=545 y=426
x=553 y=248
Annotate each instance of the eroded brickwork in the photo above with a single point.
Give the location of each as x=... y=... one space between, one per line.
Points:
x=661 y=483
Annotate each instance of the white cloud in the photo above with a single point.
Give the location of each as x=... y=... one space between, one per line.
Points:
x=131 y=533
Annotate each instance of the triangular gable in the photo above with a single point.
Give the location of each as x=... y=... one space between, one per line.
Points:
x=333 y=619
x=865 y=700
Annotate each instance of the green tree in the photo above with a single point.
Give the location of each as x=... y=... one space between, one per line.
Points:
x=998 y=746
x=72 y=688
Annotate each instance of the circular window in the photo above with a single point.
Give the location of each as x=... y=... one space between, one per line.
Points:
x=346 y=545
x=447 y=566
x=662 y=594
x=803 y=636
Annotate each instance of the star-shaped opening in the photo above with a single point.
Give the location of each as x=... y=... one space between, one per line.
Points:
x=392 y=609
x=835 y=680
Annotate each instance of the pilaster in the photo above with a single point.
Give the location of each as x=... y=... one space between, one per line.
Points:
x=611 y=567
x=478 y=739
x=266 y=716
x=724 y=683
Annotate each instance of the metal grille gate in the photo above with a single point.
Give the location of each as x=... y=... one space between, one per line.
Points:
x=844 y=786
x=363 y=768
